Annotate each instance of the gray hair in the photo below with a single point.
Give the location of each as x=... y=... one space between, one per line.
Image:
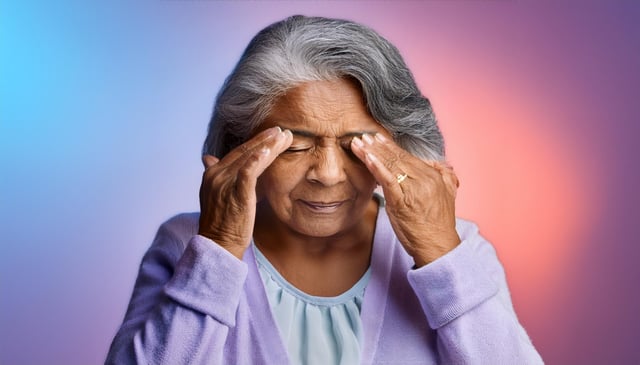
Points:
x=301 y=49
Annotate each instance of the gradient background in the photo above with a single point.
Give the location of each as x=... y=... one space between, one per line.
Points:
x=104 y=106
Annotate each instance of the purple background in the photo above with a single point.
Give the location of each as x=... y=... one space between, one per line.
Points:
x=104 y=107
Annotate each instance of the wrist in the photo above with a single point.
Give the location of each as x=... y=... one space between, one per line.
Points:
x=234 y=249
x=433 y=251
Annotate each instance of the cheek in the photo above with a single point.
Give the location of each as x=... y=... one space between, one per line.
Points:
x=360 y=176
x=280 y=177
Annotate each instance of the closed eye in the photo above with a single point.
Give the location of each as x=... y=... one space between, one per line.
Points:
x=294 y=149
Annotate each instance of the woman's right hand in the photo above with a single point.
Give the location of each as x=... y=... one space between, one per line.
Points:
x=228 y=190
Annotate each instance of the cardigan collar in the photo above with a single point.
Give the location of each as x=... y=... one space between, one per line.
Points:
x=373 y=306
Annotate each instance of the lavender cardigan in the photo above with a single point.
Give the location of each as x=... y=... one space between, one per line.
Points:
x=194 y=303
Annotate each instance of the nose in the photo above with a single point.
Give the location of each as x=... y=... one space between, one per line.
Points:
x=328 y=166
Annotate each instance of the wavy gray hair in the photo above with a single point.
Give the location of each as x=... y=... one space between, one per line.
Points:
x=301 y=49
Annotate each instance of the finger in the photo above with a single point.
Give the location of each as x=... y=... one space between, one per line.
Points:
x=227 y=169
x=394 y=158
x=285 y=141
x=250 y=146
x=450 y=180
x=208 y=161
x=271 y=149
x=376 y=167
x=448 y=170
x=402 y=162
x=258 y=161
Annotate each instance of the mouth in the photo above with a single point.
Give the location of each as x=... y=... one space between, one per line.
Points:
x=323 y=207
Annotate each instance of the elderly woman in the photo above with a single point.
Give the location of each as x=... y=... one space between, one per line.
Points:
x=294 y=258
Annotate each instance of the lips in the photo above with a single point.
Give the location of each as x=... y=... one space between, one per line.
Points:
x=323 y=207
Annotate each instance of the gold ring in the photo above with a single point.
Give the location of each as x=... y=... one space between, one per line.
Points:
x=401 y=177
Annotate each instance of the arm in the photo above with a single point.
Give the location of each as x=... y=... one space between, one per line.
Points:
x=459 y=282
x=183 y=304
x=466 y=300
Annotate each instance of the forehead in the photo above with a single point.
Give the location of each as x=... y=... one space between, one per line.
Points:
x=324 y=108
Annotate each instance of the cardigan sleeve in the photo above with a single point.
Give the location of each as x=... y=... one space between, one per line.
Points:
x=183 y=303
x=465 y=298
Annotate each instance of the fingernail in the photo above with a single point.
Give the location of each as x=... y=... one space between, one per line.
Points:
x=367 y=138
x=380 y=137
x=271 y=132
x=358 y=142
x=371 y=157
x=282 y=134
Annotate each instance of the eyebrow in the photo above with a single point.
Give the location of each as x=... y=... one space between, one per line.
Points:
x=307 y=134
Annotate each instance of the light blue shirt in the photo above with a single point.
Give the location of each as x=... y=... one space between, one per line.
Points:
x=315 y=330
x=196 y=303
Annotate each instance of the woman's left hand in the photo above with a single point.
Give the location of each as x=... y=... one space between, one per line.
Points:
x=420 y=196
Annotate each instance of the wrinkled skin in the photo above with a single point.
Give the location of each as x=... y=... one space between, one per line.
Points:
x=292 y=176
x=228 y=190
x=421 y=208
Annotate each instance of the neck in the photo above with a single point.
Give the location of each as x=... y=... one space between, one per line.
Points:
x=325 y=266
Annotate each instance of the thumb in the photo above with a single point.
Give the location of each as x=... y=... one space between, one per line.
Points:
x=208 y=161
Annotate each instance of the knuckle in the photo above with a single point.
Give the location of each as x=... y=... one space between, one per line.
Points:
x=247 y=170
x=391 y=162
x=221 y=179
x=244 y=173
x=402 y=154
x=243 y=148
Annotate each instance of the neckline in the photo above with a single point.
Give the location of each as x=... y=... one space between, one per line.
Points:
x=356 y=290
x=373 y=304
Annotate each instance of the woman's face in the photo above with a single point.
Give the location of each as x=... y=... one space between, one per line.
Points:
x=318 y=187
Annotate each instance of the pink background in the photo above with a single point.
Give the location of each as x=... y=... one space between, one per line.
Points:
x=104 y=107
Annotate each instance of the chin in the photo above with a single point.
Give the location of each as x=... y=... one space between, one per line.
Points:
x=319 y=229
x=318 y=233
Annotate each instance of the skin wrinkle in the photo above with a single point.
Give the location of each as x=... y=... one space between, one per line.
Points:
x=333 y=246
x=327 y=122
x=344 y=140
x=259 y=193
